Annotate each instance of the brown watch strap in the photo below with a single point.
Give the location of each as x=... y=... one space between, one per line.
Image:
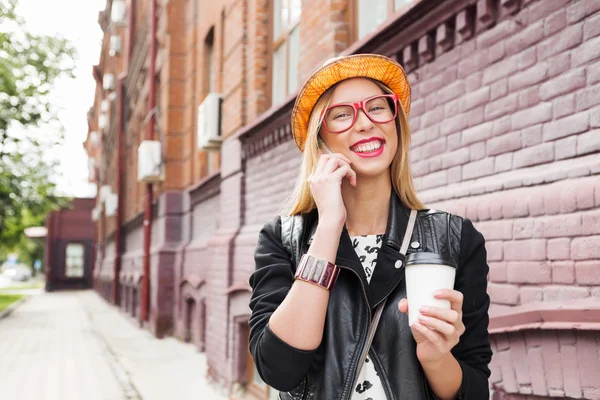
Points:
x=317 y=271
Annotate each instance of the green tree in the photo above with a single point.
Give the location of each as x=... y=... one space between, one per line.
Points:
x=29 y=68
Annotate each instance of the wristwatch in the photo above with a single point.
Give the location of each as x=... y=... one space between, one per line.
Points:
x=317 y=271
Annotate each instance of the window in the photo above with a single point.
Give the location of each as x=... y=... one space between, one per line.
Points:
x=74 y=260
x=372 y=13
x=286 y=48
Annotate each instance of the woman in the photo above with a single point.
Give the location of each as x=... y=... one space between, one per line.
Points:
x=328 y=302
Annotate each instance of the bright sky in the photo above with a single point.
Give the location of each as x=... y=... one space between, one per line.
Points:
x=77 y=21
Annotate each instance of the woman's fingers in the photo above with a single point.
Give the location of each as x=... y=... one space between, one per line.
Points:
x=403 y=306
x=448 y=315
x=345 y=171
x=454 y=296
x=438 y=325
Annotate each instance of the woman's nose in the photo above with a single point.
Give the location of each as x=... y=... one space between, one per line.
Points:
x=363 y=123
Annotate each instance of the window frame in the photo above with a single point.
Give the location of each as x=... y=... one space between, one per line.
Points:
x=354 y=15
x=83 y=258
x=274 y=45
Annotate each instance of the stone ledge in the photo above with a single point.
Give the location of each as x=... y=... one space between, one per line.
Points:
x=579 y=315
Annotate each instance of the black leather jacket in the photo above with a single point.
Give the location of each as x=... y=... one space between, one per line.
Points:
x=329 y=372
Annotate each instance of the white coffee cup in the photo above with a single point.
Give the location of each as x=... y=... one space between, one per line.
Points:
x=425 y=273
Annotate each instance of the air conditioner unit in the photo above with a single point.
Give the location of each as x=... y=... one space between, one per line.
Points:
x=96 y=213
x=150 y=163
x=108 y=82
x=209 y=123
x=105 y=192
x=111 y=204
x=115 y=45
x=95 y=138
x=104 y=105
x=102 y=122
x=118 y=11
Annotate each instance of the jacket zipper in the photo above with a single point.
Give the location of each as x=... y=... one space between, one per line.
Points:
x=382 y=376
x=369 y=334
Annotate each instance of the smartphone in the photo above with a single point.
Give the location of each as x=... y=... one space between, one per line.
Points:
x=323 y=146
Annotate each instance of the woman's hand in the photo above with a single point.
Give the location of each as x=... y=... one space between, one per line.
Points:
x=438 y=330
x=325 y=186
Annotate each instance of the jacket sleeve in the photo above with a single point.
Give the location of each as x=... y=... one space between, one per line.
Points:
x=280 y=365
x=473 y=352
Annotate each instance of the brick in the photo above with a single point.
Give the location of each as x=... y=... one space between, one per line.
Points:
x=567 y=126
x=585 y=248
x=551 y=356
x=502 y=30
x=591 y=27
x=565 y=293
x=595 y=117
x=450 y=92
x=529 y=97
x=434 y=148
x=499 y=70
x=451 y=109
x=570 y=367
x=528 y=77
x=501 y=107
x=593 y=73
x=565 y=148
x=499 y=89
x=477 y=151
x=494 y=250
x=478 y=169
x=454 y=124
x=527 y=58
x=589 y=358
x=558 y=64
x=584 y=191
x=581 y=9
x=588 y=142
x=431 y=118
x=525 y=250
x=587 y=272
x=457 y=157
x=525 y=39
x=531 y=116
x=504 y=144
x=558 y=225
x=562 y=84
x=558 y=249
x=455 y=174
x=514 y=206
x=536 y=155
x=535 y=361
x=563 y=271
x=454 y=141
x=503 y=162
x=509 y=380
x=503 y=294
x=529 y=272
x=569 y=38
x=563 y=106
x=477 y=134
x=532 y=135
x=590 y=222
x=496 y=230
x=474 y=99
x=475 y=117
x=497 y=271
x=435 y=164
x=434 y=180
x=523 y=228
x=531 y=294
x=587 y=52
x=555 y=22
x=542 y=9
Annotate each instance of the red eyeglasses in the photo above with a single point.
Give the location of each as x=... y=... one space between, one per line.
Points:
x=379 y=109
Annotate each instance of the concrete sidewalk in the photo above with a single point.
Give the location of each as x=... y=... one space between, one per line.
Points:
x=74 y=346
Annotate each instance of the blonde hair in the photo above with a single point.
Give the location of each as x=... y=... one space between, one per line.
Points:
x=301 y=201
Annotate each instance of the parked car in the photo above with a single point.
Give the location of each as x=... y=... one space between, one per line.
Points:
x=17 y=272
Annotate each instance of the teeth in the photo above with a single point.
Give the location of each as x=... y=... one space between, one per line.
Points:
x=367 y=147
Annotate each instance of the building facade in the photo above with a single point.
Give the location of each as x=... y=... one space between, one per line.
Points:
x=69 y=247
x=505 y=121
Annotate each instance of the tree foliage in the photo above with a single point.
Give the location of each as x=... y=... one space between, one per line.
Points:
x=30 y=65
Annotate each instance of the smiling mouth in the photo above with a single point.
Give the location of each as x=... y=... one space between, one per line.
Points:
x=366 y=148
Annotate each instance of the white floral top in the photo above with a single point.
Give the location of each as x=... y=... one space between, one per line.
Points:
x=368 y=385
